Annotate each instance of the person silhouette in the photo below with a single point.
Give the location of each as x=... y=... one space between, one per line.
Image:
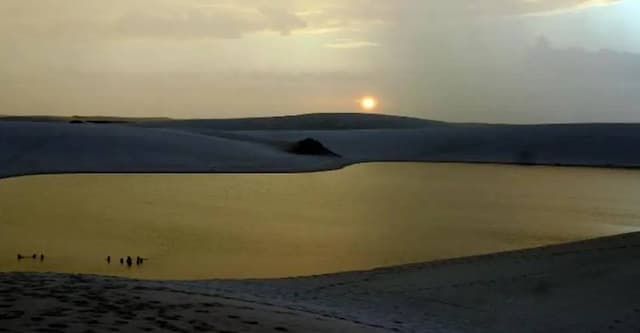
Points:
x=33 y=256
x=121 y=261
x=41 y=256
x=108 y=259
x=20 y=256
x=129 y=261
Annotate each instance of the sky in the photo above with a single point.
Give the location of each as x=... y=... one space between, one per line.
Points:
x=506 y=61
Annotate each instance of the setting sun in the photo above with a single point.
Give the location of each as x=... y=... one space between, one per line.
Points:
x=368 y=103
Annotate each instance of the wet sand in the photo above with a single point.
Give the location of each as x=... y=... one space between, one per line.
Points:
x=589 y=286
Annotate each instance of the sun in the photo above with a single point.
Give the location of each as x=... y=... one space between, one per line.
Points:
x=368 y=103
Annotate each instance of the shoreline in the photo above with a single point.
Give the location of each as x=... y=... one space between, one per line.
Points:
x=437 y=262
x=316 y=170
x=552 y=288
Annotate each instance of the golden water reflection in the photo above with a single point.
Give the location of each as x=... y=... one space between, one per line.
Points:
x=270 y=225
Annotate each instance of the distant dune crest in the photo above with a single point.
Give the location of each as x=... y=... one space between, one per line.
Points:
x=36 y=145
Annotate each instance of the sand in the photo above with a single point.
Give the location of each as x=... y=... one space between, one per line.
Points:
x=259 y=145
x=589 y=286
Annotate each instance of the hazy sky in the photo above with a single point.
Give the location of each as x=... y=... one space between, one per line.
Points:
x=458 y=60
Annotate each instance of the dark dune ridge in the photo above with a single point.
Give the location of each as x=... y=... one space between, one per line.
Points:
x=315 y=121
x=53 y=145
x=310 y=146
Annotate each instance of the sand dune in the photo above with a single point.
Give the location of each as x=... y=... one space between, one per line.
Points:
x=587 y=286
x=44 y=147
x=33 y=146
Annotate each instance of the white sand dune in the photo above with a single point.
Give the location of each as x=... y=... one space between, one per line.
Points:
x=45 y=145
x=588 y=286
x=582 y=287
x=54 y=147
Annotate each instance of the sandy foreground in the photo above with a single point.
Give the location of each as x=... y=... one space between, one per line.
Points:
x=589 y=286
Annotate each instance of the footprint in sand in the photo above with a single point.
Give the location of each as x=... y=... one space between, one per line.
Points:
x=11 y=315
x=81 y=303
x=201 y=326
x=174 y=317
x=58 y=325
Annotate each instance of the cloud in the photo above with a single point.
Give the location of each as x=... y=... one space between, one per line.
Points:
x=572 y=6
x=218 y=23
x=355 y=11
x=524 y=7
x=461 y=60
x=282 y=21
x=351 y=44
x=233 y=19
x=582 y=64
x=194 y=24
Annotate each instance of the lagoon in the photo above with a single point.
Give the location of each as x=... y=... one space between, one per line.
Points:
x=275 y=225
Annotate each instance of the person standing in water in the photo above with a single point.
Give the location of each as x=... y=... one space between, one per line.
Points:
x=129 y=261
x=108 y=259
x=41 y=256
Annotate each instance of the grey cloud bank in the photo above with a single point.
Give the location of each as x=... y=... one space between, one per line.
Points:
x=457 y=60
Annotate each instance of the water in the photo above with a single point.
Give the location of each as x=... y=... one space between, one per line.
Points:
x=273 y=225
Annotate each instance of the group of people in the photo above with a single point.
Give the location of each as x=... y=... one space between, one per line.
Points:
x=34 y=256
x=128 y=260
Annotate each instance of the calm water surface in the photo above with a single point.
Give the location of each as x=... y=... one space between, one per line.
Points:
x=369 y=215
